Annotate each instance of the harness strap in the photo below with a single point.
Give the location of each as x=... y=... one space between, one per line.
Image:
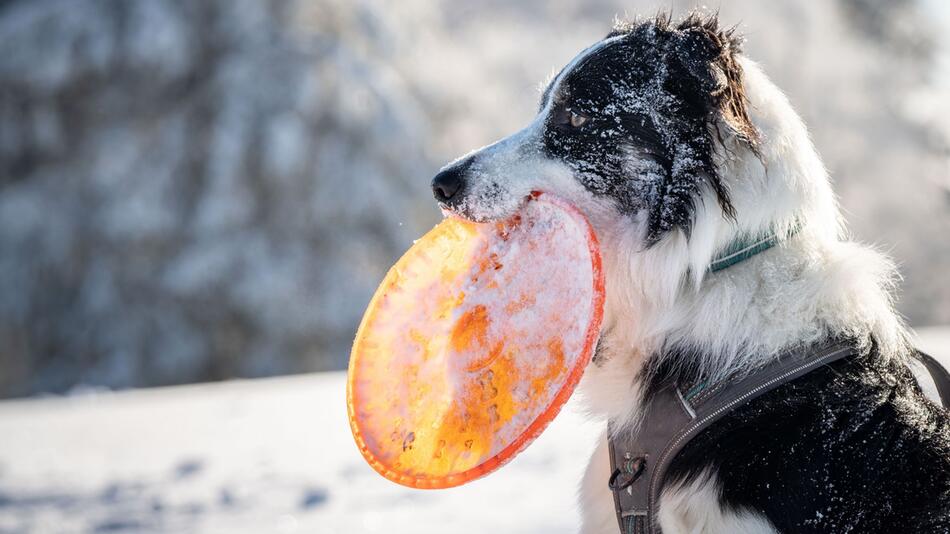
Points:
x=639 y=460
x=671 y=421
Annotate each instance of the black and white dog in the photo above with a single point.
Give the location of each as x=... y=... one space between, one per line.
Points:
x=675 y=145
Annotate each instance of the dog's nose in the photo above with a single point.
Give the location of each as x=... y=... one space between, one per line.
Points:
x=447 y=183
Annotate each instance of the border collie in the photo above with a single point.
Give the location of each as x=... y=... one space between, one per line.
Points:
x=675 y=145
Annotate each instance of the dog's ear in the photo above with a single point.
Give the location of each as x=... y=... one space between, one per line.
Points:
x=696 y=52
x=704 y=60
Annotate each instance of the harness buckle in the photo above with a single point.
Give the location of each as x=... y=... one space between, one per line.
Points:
x=632 y=470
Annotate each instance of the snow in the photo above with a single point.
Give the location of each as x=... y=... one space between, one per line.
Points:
x=262 y=456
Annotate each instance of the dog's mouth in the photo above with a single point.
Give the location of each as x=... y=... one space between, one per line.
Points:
x=477 y=213
x=455 y=213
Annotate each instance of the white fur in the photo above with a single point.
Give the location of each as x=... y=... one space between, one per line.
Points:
x=694 y=509
x=596 y=501
x=813 y=285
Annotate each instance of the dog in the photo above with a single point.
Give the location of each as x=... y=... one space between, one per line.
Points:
x=674 y=145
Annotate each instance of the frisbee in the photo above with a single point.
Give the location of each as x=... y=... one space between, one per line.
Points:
x=473 y=342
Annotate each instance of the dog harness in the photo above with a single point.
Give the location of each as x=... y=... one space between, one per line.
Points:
x=674 y=415
x=677 y=413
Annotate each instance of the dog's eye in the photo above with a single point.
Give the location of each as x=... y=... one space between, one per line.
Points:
x=577 y=120
x=568 y=118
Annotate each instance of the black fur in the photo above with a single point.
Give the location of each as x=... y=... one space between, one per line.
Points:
x=658 y=90
x=851 y=447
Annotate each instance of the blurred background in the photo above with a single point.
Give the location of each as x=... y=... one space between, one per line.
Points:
x=198 y=190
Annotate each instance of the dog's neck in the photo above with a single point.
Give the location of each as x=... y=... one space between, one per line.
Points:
x=810 y=287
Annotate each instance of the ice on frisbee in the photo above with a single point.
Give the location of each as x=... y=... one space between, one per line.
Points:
x=473 y=342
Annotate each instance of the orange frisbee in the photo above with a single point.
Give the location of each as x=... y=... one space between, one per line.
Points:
x=473 y=343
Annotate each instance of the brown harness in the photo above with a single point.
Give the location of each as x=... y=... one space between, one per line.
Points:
x=673 y=416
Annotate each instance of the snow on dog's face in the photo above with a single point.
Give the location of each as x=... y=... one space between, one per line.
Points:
x=628 y=125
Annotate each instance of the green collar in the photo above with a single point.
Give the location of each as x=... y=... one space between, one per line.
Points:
x=745 y=247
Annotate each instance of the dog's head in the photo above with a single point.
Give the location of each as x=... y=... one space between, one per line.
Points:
x=627 y=130
x=677 y=148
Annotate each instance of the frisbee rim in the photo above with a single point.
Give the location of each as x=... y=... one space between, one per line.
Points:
x=541 y=421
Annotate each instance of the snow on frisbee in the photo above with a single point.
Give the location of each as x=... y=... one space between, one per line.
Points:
x=473 y=343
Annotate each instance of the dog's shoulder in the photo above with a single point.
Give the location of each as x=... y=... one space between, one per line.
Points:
x=852 y=446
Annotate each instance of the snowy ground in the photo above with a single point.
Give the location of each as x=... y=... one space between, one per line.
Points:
x=262 y=456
